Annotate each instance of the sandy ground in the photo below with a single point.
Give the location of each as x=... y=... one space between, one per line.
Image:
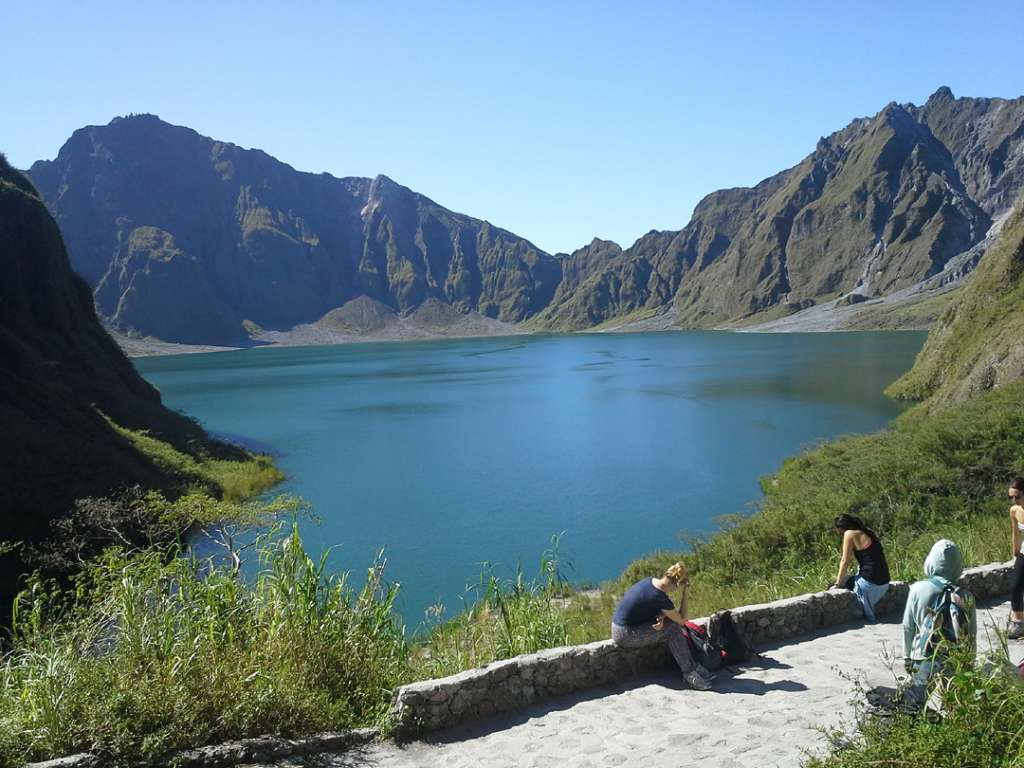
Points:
x=313 y=334
x=765 y=714
x=134 y=346
x=873 y=314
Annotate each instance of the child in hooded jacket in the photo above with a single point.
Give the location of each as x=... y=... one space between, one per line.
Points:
x=942 y=567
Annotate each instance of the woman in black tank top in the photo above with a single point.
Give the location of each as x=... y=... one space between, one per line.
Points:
x=872 y=578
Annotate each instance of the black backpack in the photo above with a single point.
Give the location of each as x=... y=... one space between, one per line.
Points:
x=704 y=651
x=723 y=633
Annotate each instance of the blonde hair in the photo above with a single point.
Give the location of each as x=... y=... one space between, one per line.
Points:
x=676 y=573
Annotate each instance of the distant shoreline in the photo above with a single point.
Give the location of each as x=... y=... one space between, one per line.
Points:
x=149 y=347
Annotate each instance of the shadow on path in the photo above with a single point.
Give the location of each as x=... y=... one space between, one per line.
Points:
x=726 y=681
x=751 y=686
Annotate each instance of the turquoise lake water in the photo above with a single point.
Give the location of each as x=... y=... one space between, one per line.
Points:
x=455 y=452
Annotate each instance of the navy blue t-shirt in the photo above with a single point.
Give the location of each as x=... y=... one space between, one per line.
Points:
x=642 y=604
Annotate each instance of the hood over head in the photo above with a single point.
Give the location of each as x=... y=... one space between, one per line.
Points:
x=944 y=561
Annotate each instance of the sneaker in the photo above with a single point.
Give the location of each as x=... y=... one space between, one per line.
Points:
x=697 y=681
x=1016 y=630
x=704 y=672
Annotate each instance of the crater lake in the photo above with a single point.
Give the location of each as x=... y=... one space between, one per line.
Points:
x=452 y=453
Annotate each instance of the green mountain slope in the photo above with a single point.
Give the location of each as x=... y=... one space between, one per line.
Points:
x=978 y=343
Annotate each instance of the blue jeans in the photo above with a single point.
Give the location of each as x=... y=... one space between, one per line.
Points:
x=869 y=594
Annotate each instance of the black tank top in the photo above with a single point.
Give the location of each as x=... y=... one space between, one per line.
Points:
x=872 y=563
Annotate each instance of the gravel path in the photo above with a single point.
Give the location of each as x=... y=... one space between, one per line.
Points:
x=768 y=714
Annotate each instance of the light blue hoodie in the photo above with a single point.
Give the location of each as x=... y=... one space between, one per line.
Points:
x=943 y=566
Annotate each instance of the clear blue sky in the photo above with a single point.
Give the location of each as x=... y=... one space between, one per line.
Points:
x=557 y=120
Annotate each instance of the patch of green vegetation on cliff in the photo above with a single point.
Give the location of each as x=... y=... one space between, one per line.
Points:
x=978 y=343
x=231 y=480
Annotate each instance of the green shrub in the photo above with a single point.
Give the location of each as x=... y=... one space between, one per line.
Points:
x=234 y=479
x=147 y=654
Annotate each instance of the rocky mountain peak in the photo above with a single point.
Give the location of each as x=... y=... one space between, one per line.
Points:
x=382 y=186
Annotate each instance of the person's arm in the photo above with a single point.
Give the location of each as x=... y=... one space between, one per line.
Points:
x=676 y=615
x=844 y=561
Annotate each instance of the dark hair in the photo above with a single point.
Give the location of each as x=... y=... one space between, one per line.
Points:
x=1017 y=484
x=847 y=522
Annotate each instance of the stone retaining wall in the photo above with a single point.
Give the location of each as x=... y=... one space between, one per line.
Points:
x=511 y=684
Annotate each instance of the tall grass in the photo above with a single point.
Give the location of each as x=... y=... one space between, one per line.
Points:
x=147 y=655
x=978 y=725
x=508 y=616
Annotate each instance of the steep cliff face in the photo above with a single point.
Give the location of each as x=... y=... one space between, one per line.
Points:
x=986 y=140
x=878 y=206
x=415 y=250
x=64 y=381
x=978 y=343
x=186 y=238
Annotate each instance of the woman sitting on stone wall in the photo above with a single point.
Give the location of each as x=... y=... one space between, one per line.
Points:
x=646 y=615
x=871 y=581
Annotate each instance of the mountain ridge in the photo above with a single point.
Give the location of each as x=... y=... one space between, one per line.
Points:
x=213 y=235
x=228 y=239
